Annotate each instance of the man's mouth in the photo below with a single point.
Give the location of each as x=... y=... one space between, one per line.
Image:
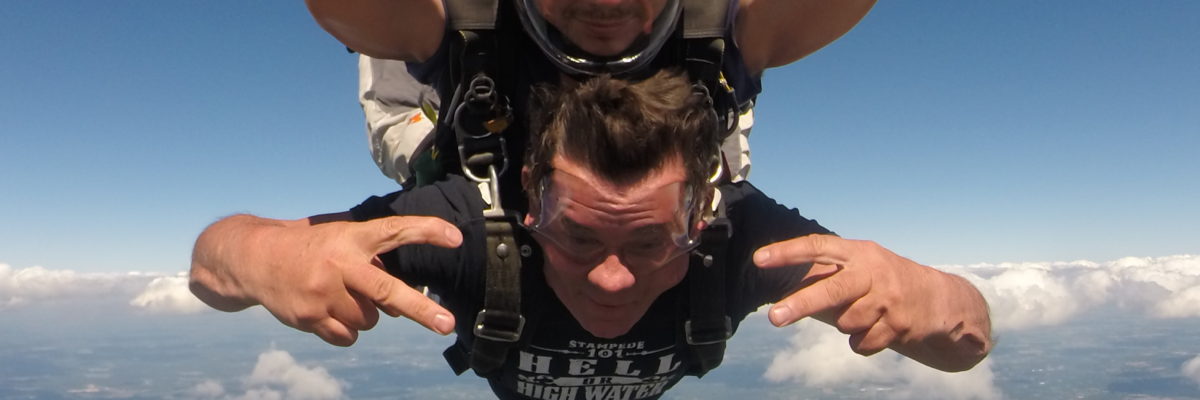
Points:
x=607 y=26
x=608 y=304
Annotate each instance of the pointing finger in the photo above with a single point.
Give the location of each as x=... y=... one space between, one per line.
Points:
x=386 y=234
x=838 y=290
x=824 y=249
x=355 y=311
x=396 y=298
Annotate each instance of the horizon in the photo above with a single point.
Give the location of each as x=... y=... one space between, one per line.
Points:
x=1042 y=150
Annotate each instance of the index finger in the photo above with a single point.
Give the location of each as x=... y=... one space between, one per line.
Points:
x=386 y=234
x=396 y=298
x=824 y=249
x=835 y=291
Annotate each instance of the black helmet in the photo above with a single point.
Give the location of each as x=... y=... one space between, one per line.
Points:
x=573 y=60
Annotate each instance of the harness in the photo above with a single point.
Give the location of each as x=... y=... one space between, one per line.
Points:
x=470 y=139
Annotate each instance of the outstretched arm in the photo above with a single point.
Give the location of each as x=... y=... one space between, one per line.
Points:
x=409 y=30
x=883 y=300
x=773 y=33
x=319 y=274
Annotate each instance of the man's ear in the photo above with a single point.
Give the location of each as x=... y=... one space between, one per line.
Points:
x=534 y=207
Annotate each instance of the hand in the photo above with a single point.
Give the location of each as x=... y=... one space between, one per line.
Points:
x=876 y=296
x=325 y=278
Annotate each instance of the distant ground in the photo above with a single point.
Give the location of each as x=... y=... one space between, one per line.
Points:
x=49 y=351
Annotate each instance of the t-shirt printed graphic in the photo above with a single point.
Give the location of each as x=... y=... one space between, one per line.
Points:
x=564 y=362
x=597 y=371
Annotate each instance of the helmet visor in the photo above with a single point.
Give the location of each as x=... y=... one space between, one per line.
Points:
x=573 y=59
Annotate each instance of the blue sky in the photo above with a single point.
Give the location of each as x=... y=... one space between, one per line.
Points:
x=971 y=135
x=951 y=132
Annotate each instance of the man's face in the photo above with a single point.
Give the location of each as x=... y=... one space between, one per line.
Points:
x=612 y=250
x=602 y=27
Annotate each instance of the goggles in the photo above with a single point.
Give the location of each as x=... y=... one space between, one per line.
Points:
x=646 y=247
x=574 y=61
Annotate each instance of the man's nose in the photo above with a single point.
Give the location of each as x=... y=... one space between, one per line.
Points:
x=611 y=275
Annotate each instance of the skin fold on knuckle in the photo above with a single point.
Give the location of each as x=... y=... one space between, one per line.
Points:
x=380 y=289
x=856 y=319
x=336 y=337
x=835 y=290
x=392 y=227
x=308 y=318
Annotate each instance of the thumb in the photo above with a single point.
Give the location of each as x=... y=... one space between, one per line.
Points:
x=386 y=234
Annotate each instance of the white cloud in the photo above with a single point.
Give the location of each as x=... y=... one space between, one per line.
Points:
x=209 y=389
x=819 y=356
x=1191 y=369
x=277 y=368
x=277 y=376
x=169 y=294
x=20 y=287
x=154 y=292
x=1024 y=295
x=1021 y=295
x=1181 y=304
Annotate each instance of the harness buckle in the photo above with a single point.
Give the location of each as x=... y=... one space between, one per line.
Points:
x=499 y=325
x=708 y=332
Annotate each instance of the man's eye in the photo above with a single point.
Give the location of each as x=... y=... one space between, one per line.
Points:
x=642 y=248
x=582 y=243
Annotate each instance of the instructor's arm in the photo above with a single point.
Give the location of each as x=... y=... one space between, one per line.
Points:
x=773 y=33
x=319 y=274
x=409 y=30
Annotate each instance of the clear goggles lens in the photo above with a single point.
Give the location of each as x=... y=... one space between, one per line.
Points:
x=572 y=60
x=648 y=246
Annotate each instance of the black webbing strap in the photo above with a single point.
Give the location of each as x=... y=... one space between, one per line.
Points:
x=705 y=18
x=471 y=14
x=708 y=326
x=499 y=325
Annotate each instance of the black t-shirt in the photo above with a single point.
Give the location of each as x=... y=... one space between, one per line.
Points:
x=561 y=360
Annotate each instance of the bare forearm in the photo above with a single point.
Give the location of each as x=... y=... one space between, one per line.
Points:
x=773 y=33
x=961 y=336
x=403 y=30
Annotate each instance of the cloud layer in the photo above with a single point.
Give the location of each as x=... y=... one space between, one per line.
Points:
x=1021 y=296
x=169 y=294
x=819 y=356
x=1191 y=370
x=152 y=292
x=1025 y=295
x=277 y=375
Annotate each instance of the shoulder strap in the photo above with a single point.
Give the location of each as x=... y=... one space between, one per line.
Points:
x=471 y=14
x=708 y=326
x=705 y=18
x=476 y=118
x=705 y=25
x=499 y=325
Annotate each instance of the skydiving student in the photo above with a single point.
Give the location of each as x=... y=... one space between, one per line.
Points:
x=637 y=261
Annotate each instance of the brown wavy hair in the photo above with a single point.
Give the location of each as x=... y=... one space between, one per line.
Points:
x=623 y=130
